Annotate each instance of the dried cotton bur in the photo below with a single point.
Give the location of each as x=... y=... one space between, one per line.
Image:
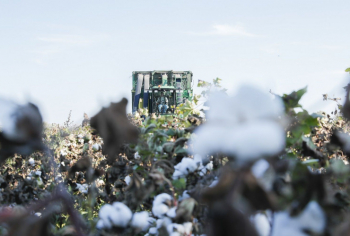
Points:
x=115 y=129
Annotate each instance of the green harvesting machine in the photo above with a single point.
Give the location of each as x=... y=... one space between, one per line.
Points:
x=161 y=91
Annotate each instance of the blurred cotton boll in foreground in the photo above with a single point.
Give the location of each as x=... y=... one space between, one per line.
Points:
x=261 y=224
x=245 y=126
x=20 y=122
x=21 y=128
x=312 y=219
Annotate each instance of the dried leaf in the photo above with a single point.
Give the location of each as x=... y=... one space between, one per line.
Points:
x=114 y=127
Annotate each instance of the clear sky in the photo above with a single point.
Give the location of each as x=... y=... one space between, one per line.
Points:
x=79 y=55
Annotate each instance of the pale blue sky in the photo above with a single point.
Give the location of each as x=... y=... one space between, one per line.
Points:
x=79 y=55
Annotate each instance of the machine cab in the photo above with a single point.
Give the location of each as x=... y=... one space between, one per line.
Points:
x=160 y=91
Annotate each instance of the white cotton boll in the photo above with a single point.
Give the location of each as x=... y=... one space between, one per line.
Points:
x=80 y=136
x=38 y=173
x=136 y=155
x=178 y=174
x=259 y=168
x=105 y=214
x=100 y=224
x=243 y=125
x=261 y=223
x=253 y=140
x=83 y=188
x=38 y=214
x=172 y=228
x=163 y=222
x=284 y=225
x=214 y=183
x=186 y=166
x=96 y=147
x=124 y=214
x=312 y=219
x=127 y=180
x=117 y=215
x=210 y=166
x=153 y=231
x=63 y=153
x=188 y=227
x=159 y=208
x=184 y=195
x=140 y=220
x=39 y=181
x=246 y=142
x=256 y=104
x=222 y=108
x=172 y=212
x=197 y=158
x=31 y=162
x=100 y=182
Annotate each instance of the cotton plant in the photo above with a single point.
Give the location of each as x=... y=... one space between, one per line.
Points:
x=245 y=126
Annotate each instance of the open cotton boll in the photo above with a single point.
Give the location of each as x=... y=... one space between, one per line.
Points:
x=159 y=209
x=136 y=155
x=100 y=224
x=175 y=228
x=153 y=231
x=172 y=212
x=83 y=188
x=255 y=104
x=214 y=183
x=184 y=195
x=186 y=166
x=118 y=215
x=124 y=212
x=188 y=227
x=246 y=142
x=244 y=125
x=96 y=147
x=106 y=213
x=127 y=180
x=259 y=168
x=261 y=224
x=140 y=220
x=312 y=219
x=163 y=222
x=31 y=162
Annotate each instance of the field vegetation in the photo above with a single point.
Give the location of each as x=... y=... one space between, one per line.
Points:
x=252 y=163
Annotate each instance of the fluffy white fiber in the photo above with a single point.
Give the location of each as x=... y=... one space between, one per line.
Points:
x=244 y=126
